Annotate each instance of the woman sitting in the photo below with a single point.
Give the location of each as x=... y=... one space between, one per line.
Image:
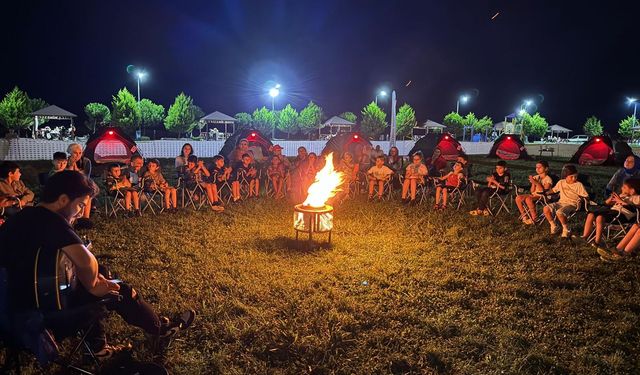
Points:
x=540 y=183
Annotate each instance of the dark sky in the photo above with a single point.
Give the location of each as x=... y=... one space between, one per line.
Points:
x=574 y=59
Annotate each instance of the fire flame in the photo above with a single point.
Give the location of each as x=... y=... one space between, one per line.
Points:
x=325 y=185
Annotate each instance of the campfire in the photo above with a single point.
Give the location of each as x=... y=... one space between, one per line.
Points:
x=314 y=215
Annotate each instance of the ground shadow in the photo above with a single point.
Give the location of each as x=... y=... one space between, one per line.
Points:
x=282 y=244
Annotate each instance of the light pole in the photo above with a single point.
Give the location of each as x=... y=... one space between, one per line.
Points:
x=464 y=99
x=273 y=92
x=139 y=76
x=633 y=101
x=381 y=93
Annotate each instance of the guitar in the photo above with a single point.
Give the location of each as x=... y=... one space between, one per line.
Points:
x=54 y=279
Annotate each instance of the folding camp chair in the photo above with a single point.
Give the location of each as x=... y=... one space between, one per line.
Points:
x=225 y=192
x=616 y=227
x=114 y=201
x=192 y=194
x=458 y=196
x=503 y=201
x=151 y=199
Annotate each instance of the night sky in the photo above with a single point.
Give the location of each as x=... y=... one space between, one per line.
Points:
x=579 y=58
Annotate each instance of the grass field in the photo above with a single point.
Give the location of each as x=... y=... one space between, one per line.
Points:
x=402 y=290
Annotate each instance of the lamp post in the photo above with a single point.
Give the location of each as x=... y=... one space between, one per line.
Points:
x=464 y=99
x=273 y=92
x=633 y=101
x=381 y=93
x=139 y=76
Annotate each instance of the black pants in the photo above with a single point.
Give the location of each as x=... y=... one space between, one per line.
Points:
x=85 y=311
x=482 y=196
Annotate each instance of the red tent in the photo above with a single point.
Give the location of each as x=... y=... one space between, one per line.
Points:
x=508 y=147
x=110 y=145
x=450 y=149
x=597 y=150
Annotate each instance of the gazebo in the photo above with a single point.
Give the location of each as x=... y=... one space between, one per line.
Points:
x=557 y=129
x=337 y=122
x=52 y=112
x=421 y=131
x=219 y=118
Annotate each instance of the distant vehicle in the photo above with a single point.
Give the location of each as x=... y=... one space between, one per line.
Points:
x=578 y=139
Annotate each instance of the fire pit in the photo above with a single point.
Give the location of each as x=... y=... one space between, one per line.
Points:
x=315 y=215
x=313 y=220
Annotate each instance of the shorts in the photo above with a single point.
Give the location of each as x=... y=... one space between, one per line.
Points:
x=450 y=188
x=122 y=191
x=563 y=209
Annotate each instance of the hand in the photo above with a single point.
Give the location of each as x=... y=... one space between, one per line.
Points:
x=104 y=287
x=200 y=163
x=532 y=180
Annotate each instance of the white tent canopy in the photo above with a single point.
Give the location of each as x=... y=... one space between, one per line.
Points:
x=219 y=118
x=558 y=129
x=429 y=124
x=338 y=122
x=52 y=112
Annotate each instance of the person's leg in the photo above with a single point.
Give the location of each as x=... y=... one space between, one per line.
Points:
x=380 y=188
x=127 y=200
x=167 y=197
x=479 y=193
x=135 y=311
x=485 y=193
x=531 y=204
x=214 y=190
x=235 y=187
x=438 y=191
x=599 y=226
x=520 y=199
x=174 y=197
x=413 y=186
x=628 y=237
x=257 y=186
x=405 y=188
x=136 y=200
x=371 y=186
x=588 y=225
x=548 y=214
x=445 y=196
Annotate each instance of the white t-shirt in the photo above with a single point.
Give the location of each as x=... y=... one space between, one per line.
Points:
x=633 y=200
x=543 y=181
x=570 y=193
x=380 y=173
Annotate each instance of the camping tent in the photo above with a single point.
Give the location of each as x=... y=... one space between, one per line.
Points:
x=258 y=144
x=110 y=145
x=597 y=150
x=336 y=125
x=450 y=148
x=341 y=143
x=508 y=147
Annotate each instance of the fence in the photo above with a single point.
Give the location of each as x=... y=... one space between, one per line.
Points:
x=39 y=149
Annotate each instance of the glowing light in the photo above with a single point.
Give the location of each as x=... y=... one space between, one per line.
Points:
x=355 y=136
x=274 y=92
x=464 y=98
x=631 y=100
x=325 y=185
x=597 y=139
x=446 y=137
x=383 y=93
x=509 y=138
x=110 y=132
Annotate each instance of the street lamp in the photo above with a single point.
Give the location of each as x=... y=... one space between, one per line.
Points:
x=464 y=99
x=273 y=92
x=381 y=93
x=633 y=101
x=139 y=76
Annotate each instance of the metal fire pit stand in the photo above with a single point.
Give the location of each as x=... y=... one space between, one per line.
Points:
x=312 y=220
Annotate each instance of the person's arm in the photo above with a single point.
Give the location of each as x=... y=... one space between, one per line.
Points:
x=205 y=171
x=86 y=166
x=614 y=182
x=27 y=195
x=86 y=268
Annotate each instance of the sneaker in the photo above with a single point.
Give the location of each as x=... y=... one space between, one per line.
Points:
x=413 y=202
x=603 y=252
x=474 y=212
x=565 y=232
x=138 y=213
x=370 y=198
x=486 y=213
x=217 y=208
x=581 y=239
x=109 y=351
x=182 y=322
x=616 y=257
x=527 y=221
x=555 y=229
x=436 y=207
x=379 y=200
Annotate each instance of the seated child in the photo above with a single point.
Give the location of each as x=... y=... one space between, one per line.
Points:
x=154 y=180
x=414 y=175
x=276 y=173
x=221 y=174
x=14 y=194
x=452 y=180
x=571 y=193
x=540 y=183
x=246 y=172
x=118 y=183
x=59 y=163
x=378 y=174
x=466 y=166
x=625 y=249
x=629 y=196
x=499 y=180
x=195 y=174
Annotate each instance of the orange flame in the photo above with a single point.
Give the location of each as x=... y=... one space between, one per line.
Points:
x=325 y=185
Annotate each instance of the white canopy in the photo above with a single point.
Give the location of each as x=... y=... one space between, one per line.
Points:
x=218 y=118
x=558 y=129
x=429 y=124
x=337 y=122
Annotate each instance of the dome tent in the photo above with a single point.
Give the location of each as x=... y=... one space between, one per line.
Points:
x=258 y=143
x=110 y=145
x=449 y=147
x=597 y=150
x=343 y=142
x=508 y=147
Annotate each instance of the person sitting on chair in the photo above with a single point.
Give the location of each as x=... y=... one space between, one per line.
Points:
x=136 y=164
x=497 y=181
x=118 y=185
x=378 y=174
x=78 y=162
x=14 y=193
x=276 y=173
x=59 y=163
x=452 y=181
x=154 y=181
x=571 y=192
x=62 y=201
x=415 y=174
x=540 y=183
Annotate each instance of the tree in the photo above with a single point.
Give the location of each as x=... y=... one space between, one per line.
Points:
x=483 y=125
x=182 y=115
x=535 y=125
x=98 y=114
x=288 y=120
x=263 y=120
x=310 y=117
x=15 y=110
x=405 y=121
x=454 y=123
x=592 y=126
x=125 y=112
x=626 y=126
x=244 y=120
x=470 y=120
x=349 y=116
x=373 y=120
x=151 y=114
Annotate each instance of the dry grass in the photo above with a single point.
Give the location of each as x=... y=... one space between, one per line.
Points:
x=402 y=290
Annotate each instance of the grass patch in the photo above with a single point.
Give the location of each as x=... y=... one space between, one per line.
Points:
x=402 y=290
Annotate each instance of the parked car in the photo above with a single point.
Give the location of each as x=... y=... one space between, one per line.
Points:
x=578 y=139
